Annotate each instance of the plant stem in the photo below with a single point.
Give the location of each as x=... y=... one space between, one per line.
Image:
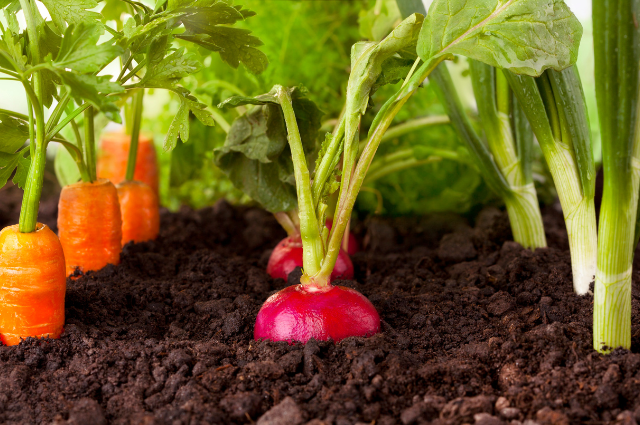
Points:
x=76 y=154
x=503 y=94
x=35 y=178
x=309 y=229
x=124 y=67
x=525 y=217
x=348 y=196
x=33 y=189
x=575 y=194
x=326 y=166
x=133 y=72
x=69 y=118
x=616 y=38
x=492 y=95
x=138 y=101
x=32 y=134
x=287 y=224
x=29 y=9
x=89 y=143
x=483 y=159
x=59 y=109
x=16 y=114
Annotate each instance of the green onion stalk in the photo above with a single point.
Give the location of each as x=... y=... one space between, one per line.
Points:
x=616 y=43
x=555 y=107
x=512 y=155
x=506 y=162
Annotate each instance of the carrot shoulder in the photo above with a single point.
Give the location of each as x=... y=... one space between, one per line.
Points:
x=32 y=273
x=114 y=153
x=140 y=213
x=90 y=225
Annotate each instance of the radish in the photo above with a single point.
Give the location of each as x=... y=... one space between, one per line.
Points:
x=287 y=255
x=302 y=312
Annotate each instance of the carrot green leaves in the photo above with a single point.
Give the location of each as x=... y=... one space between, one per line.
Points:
x=15 y=133
x=524 y=36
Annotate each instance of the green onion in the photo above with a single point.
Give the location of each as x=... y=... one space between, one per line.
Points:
x=554 y=105
x=615 y=35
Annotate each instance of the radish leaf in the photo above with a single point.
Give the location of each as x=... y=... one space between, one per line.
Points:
x=256 y=154
x=524 y=36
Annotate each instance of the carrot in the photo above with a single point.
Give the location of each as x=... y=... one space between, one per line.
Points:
x=33 y=278
x=112 y=162
x=90 y=225
x=140 y=214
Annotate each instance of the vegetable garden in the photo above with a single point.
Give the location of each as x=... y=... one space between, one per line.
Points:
x=358 y=212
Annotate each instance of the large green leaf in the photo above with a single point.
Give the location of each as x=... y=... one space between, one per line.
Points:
x=180 y=124
x=71 y=11
x=81 y=52
x=367 y=60
x=171 y=69
x=256 y=154
x=15 y=133
x=91 y=88
x=524 y=36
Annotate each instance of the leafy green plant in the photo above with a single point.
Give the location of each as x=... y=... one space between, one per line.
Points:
x=297 y=36
x=506 y=162
x=58 y=59
x=151 y=60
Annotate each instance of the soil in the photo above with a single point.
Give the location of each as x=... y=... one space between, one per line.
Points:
x=475 y=329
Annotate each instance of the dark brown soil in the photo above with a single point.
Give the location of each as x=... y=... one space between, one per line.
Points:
x=475 y=330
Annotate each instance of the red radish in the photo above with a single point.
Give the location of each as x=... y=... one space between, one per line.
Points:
x=302 y=312
x=287 y=255
x=353 y=242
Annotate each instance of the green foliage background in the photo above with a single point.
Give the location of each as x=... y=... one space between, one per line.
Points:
x=309 y=43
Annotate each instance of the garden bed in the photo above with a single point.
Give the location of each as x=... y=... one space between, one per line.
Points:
x=474 y=329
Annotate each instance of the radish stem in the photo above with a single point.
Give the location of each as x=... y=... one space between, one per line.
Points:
x=309 y=232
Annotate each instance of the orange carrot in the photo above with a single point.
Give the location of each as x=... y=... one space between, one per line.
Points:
x=140 y=212
x=90 y=225
x=114 y=152
x=33 y=278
